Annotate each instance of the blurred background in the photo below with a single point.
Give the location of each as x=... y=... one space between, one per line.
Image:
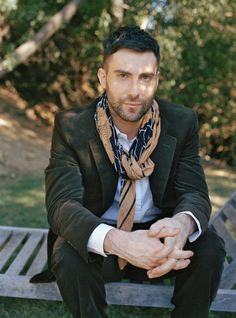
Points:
x=50 y=51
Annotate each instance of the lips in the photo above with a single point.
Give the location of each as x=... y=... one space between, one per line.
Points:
x=133 y=104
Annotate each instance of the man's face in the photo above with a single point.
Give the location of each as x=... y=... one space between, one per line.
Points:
x=130 y=79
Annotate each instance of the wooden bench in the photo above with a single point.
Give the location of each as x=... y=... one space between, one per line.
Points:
x=23 y=254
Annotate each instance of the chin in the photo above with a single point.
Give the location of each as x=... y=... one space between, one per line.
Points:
x=132 y=118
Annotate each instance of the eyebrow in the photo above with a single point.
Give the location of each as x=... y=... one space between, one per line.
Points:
x=128 y=73
x=123 y=71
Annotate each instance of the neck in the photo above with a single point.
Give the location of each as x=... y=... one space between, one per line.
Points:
x=129 y=128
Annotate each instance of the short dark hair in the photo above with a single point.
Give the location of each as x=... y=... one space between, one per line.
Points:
x=130 y=37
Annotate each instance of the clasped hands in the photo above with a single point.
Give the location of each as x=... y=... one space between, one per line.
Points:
x=174 y=232
x=159 y=249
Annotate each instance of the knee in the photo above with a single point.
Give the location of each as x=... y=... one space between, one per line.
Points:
x=66 y=260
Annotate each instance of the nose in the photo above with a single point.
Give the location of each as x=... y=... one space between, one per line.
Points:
x=134 y=89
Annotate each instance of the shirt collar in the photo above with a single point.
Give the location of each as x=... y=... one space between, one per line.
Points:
x=123 y=136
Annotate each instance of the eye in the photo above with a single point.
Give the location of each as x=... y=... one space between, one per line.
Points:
x=146 y=77
x=123 y=75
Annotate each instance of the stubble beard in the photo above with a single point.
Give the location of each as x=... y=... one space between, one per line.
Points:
x=131 y=115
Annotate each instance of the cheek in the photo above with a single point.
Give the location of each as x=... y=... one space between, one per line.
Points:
x=114 y=94
x=148 y=90
x=116 y=88
x=112 y=83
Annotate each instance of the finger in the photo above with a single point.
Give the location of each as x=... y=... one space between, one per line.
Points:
x=163 y=228
x=156 y=227
x=164 y=232
x=168 y=247
x=161 y=261
x=162 y=269
x=158 y=263
x=181 y=254
x=181 y=264
x=162 y=254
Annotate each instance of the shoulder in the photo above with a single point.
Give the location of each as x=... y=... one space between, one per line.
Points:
x=81 y=115
x=172 y=110
x=177 y=115
x=77 y=123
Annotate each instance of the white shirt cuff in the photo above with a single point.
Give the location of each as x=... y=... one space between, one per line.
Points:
x=96 y=239
x=198 y=232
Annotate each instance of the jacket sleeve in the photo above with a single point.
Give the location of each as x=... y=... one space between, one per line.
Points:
x=67 y=216
x=190 y=184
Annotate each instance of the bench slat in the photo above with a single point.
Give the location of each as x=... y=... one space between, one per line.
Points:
x=40 y=260
x=228 y=279
x=20 y=287
x=225 y=300
x=7 y=251
x=159 y=296
x=22 y=229
x=133 y=294
x=4 y=235
x=22 y=258
x=117 y=293
x=230 y=242
x=230 y=213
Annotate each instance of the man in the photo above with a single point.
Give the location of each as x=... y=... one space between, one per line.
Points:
x=125 y=191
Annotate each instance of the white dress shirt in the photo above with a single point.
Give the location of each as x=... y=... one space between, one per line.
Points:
x=144 y=208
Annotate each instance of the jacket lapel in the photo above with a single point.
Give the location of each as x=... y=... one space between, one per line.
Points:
x=108 y=175
x=162 y=156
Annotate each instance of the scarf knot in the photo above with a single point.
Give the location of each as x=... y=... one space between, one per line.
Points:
x=136 y=163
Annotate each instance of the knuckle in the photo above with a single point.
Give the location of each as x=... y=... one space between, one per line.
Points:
x=153 y=227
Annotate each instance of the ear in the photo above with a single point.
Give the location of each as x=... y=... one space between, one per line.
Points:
x=102 y=76
x=158 y=78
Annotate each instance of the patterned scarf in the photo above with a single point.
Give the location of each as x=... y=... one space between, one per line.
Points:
x=132 y=165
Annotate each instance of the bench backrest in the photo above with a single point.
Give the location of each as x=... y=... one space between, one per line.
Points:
x=224 y=222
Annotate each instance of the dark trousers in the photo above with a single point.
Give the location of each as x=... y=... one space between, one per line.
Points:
x=82 y=285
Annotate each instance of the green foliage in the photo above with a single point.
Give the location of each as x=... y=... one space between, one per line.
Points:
x=197 y=69
x=197 y=40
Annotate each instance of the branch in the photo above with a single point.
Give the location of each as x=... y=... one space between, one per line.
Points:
x=118 y=10
x=25 y=50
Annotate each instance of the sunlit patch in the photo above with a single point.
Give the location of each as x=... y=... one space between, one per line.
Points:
x=5 y=123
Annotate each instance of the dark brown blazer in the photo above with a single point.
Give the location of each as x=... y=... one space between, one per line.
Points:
x=81 y=182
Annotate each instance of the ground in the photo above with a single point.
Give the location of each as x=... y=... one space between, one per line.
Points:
x=24 y=144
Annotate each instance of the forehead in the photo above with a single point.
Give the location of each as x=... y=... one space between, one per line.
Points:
x=130 y=61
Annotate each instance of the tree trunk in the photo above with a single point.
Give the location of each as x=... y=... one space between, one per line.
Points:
x=25 y=50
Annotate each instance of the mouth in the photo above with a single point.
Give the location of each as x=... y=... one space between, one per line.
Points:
x=132 y=104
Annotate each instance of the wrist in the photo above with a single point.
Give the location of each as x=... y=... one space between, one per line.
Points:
x=187 y=222
x=113 y=242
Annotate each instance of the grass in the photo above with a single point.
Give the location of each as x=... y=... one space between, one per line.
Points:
x=22 y=201
x=22 y=308
x=22 y=204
